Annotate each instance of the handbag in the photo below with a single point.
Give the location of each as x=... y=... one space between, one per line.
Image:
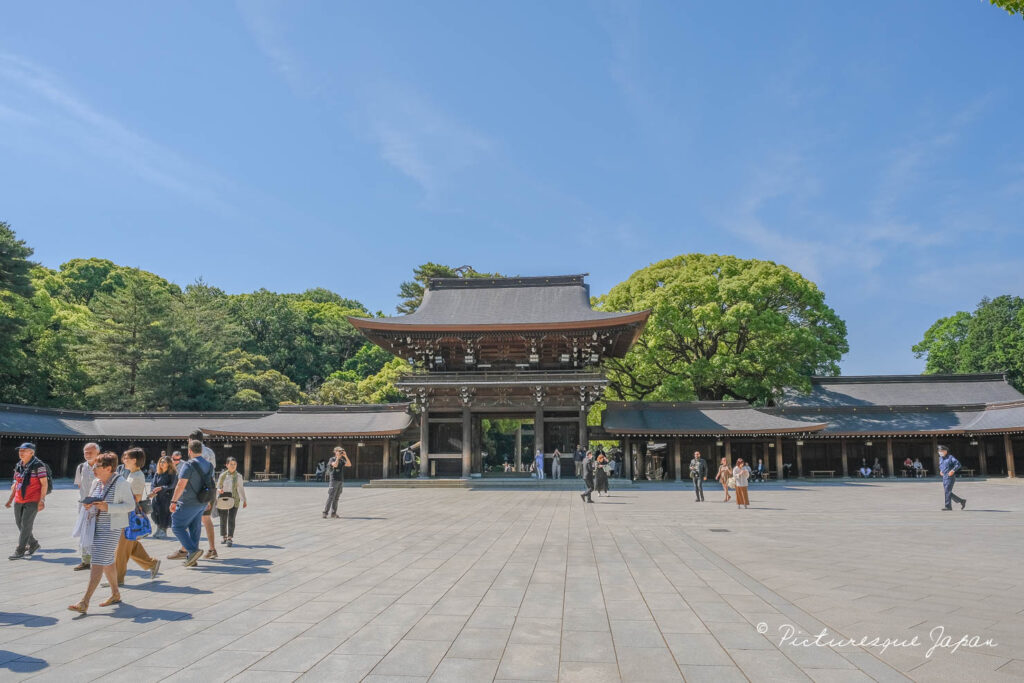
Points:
x=225 y=501
x=138 y=525
x=146 y=505
x=731 y=483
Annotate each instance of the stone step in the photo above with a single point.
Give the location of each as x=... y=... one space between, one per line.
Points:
x=487 y=483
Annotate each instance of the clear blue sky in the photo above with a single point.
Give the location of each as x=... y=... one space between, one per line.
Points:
x=876 y=147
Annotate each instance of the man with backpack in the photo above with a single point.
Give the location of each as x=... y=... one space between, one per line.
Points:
x=192 y=495
x=28 y=492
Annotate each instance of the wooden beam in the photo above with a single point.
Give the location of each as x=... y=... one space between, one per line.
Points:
x=889 y=459
x=778 y=457
x=247 y=459
x=293 y=457
x=1008 y=447
x=677 y=452
x=846 y=459
x=467 y=442
x=424 y=445
x=982 y=456
x=799 y=459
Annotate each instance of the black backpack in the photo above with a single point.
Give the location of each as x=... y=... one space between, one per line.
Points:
x=49 y=479
x=207 y=490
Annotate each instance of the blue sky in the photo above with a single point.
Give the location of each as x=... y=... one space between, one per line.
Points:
x=876 y=147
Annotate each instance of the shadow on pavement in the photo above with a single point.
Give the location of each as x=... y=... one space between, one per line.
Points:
x=23 y=619
x=19 y=664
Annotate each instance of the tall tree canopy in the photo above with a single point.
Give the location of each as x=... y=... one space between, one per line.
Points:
x=723 y=327
x=411 y=291
x=15 y=292
x=991 y=339
x=1011 y=6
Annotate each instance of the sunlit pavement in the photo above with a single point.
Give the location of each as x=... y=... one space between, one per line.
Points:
x=467 y=585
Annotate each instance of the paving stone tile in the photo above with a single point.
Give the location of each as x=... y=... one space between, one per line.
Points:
x=452 y=670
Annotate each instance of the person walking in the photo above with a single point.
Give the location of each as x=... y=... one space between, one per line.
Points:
x=556 y=465
x=28 y=493
x=164 y=481
x=538 y=462
x=741 y=473
x=336 y=478
x=134 y=459
x=601 y=474
x=699 y=475
x=84 y=479
x=588 y=477
x=230 y=493
x=186 y=509
x=408 y=460
x=107 y=508
x=948 y=467
x=210 y=457
x=724 y=473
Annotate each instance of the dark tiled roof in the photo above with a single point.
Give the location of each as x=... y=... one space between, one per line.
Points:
x=363 y=420
x=904 y=390
x=699 y=417
x=505 y=302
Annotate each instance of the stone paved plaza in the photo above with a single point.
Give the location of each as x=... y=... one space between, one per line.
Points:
x=481 y=585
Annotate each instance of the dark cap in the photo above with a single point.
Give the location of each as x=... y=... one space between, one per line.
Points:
x=27 y=445
x=940 y=447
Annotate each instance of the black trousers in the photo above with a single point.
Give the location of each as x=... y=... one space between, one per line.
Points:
x=333 y=494
x=227 y=521
x=589 y=483
x=698 y=487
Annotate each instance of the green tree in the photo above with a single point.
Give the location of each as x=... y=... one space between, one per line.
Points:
x=203 y=334
x=411 y=291
x=125 y=353
x=16 y=291
x=347 y=387
x=254 y=385
x=723 y=327
x=79 y=280
x=368 y=360
x=991 y=339
x=1011 y=6
x=54 y=374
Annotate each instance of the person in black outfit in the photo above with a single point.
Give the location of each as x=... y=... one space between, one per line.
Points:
x=699 y=474
x=164 y=481
x=336 y=476
x=588 y=477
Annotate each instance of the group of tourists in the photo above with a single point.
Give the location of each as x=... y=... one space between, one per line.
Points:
x=116 y=511
x=737 y=477
x=594 y=470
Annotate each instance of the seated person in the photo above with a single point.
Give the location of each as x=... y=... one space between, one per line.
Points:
x=918 y=467
x=908 y=466
x=865 y=471
x=759 y=472
x=877 y=470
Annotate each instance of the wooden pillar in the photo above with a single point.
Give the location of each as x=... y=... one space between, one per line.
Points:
x=982 y=457
x=799 y=458
x=584 y=436
x=778 y=457
x=467 y=442
x=424 y=446
x=728 y=451
x=888 y=456
x=538 y=431
x=519 y=447
x=385 y=462
x=267 y=463
x=767 y=458
x=641 y=460
x=846 y=457
x=64 y=457
x=677 y=447
x=293 y=457
x=1008 y=447
x=247 y=460
x=627 y=458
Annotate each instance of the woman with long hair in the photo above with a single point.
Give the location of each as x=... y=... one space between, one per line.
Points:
x=106 y=509
x=724 y=472
x=741 y=474
x=160 y=493
x=601 y=474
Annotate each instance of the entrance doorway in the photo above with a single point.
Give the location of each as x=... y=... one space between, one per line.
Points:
x=504 y=440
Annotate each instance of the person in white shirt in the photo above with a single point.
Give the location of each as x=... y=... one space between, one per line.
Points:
x=84 y=479
x=741 y=475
